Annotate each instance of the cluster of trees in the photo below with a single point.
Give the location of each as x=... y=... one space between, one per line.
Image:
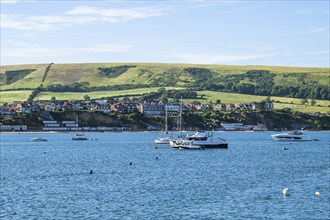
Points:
x=35 y=93
x=256 y=82
x=113 y=72
x=75 y=87
x=46 y=72
x=163 y=94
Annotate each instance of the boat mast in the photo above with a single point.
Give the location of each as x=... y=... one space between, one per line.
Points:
x=180 y=119
x=77 y=121
x=166 y=121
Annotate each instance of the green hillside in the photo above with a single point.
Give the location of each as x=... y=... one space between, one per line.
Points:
x=149 y=73
x=107 y=79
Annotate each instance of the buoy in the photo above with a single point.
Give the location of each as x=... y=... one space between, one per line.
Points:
x=91 y=172
x=284 y=148
x=130 y=163
x=286 y=192
x=317 y=193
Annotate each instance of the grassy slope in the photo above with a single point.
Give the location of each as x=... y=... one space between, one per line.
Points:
x=31 y=81
x=146 y=73
x=11 y=96
x=94 y=95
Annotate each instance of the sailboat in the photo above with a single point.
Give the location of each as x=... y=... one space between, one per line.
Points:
x=176 y=143
x=166 y=139
x=78 y=137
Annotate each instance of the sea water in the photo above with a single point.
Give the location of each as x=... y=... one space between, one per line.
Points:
x=133 y=180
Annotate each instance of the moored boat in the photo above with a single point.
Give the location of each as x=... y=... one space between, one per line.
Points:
x=39 y=139
x=201 y=139
x=296 y=135
x=79 y=137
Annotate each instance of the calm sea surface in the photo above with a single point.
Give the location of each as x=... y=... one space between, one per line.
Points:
x=51 y=180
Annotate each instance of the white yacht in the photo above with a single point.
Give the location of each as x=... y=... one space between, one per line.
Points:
x=200 y=139
x=79 y=137
x=296 y=135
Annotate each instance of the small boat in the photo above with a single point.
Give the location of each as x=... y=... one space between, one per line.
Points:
x=201 y=139
x=79 y=137
x=296 y=135
x=188 y=145
x=39 y=139
x=166 y=139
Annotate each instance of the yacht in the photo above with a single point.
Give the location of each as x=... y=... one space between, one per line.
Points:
x=296 y=135
x=79 y=137
x=166 y=139
x=39 y=139
x=200 y=139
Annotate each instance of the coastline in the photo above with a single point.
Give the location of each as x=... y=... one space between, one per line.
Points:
x=95 y=132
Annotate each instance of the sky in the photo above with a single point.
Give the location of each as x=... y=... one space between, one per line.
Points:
x=275 y=33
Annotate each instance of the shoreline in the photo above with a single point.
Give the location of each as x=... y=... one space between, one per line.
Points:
x=91 y=132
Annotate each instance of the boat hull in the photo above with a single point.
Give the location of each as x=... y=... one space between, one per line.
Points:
x=214 y=146
x=277 y=137
x=162 y=141
x=79 y=138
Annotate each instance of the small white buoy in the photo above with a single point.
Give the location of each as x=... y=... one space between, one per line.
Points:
x=317 y=193
x=286 y=192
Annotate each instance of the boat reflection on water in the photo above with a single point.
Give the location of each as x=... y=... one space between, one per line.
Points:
x=39 y=139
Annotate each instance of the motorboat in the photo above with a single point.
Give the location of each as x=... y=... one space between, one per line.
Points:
x=38 y=139
x=191 y=147
x=201 y=139
x=79 y=137
x=164 y=140
x=296 y=135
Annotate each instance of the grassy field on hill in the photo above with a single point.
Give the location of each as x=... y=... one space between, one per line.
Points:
x=146 y=73
x=97 y=94
x=11 y=96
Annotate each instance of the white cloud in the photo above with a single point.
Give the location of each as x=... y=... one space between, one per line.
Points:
x=310 y=11
x=320 y=52
x=309 y=31
x=78 y=16
x=220 y=58
x=8 y=1
x=26 y=51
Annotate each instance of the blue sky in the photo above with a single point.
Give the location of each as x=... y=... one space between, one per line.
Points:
x=277 y=33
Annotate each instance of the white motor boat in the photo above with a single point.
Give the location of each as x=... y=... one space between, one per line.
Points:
x=201 y=139
x=79 y=137
x=165 y=140
x=296 y=135
x=39 y=139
